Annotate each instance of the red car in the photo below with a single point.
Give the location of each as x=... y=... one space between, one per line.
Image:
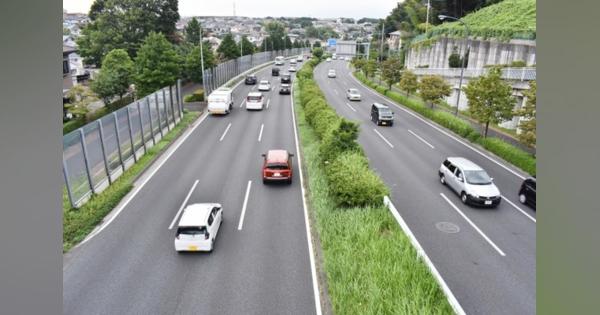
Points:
x=277 y=166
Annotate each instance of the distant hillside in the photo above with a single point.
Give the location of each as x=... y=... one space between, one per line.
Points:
x=505 y=20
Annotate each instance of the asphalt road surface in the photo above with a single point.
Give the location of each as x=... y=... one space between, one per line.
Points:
x=131 y=267
x=486 y=256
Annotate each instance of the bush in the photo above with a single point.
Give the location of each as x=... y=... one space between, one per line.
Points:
x=514 y=155
x=324 y=122
x=518 y=64
x=341 y=139
x=353 y=184
x=197 y=96
x=313 y=108
x=72 y=125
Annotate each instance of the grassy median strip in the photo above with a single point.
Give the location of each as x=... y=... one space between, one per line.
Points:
x=499 y=147
x=78 y=223
x=371 y=265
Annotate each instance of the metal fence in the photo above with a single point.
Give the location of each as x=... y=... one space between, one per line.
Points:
x=223 y=72
x=518 y=74
x=98 y=153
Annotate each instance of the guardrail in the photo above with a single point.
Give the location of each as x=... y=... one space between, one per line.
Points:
x=518 y=74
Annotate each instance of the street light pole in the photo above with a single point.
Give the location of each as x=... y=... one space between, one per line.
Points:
x=462 y=68
x=202 y=60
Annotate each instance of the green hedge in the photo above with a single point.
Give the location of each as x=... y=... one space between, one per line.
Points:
x=196 y=96
x=352 y=183
x=72 y=125
x=505 y=150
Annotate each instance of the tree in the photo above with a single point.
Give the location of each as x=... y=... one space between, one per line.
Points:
x=122 y=24
x=115 y=76
x=528 y=124
x=248 y=47
x=359 y=63
x=370 y=67
x=432 y=88
x=276 y=31
x=80 y=97
x=317 y=52
x=157 y=64
x=228 y=49
x=409 y=83
x=317 y=44
x=391 y=71
x=307 y=43
x=192 y=68
x=288 y=43
x=192 y=32
x=490 y=99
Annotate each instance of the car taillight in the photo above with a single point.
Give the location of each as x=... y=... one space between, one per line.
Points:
x=177 y=236
x=206 y=236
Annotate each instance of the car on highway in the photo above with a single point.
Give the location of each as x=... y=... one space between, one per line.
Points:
x=275 y=71
x=286 y=78
x=469 y=181
x=277 y=166
x=198 y=227
x=285 y=89
x=382 y=114
x=279 y=61
x=264 y=85
x=250 y=79
x=328 y=59
x=292 y=69
x=334 y=57
x=299 y=58
x=255 y=101
x=353 y=95
x=293 y=61
x=527 y=192
x=220 y=101
x=331 y=73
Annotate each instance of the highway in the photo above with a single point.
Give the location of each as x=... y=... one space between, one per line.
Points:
x=486 y=256
x=261 y=263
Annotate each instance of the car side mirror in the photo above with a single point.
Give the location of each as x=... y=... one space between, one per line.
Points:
x=460 y=179
x=491 y=179
x=263 y=155
x=291 y=154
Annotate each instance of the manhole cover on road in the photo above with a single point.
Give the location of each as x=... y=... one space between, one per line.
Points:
x=447 y=227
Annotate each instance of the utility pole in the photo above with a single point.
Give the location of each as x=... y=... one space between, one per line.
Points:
x=381 y=47
x=202 y=60
x=427 y=20
x=241 y=45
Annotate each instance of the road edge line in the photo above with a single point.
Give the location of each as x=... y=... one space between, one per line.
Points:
x=313 y=268
x=423 y=255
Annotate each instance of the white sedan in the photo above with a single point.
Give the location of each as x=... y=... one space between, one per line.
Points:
x=198 y=227
x=331 y=73
x=255 y=101
x=353 y=94
x=292 y=69
x=264 y=85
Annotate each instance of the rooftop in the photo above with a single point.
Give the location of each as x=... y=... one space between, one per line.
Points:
x=196 y=214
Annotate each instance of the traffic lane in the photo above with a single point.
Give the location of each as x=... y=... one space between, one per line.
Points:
x=525 y=255
x=169 y=239
x=506 y=222
x=464 y=259
x=507 y=182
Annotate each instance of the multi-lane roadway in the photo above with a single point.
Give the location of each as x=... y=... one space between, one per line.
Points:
x=487 y=257
x=261 y=263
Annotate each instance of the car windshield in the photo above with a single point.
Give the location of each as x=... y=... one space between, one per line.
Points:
x=250 y=77
x=277 y=166
x=254 y=98
x=353 y=91
x=285 y=86
x=478 y=177
x=191 y=230
x=385 y=111
x=264 y=82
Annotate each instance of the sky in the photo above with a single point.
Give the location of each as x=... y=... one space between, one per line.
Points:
x=275 y=8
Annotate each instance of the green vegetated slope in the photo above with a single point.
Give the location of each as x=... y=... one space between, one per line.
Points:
x=505 y=20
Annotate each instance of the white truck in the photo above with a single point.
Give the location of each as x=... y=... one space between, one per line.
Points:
x=220 y=101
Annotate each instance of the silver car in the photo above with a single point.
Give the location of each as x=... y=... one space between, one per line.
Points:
x=353 y=94
x=469 y=181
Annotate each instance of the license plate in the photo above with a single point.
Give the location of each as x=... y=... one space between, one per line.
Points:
x=277 y=174
x=192 y=248
x=383 y=123
x=488 y=202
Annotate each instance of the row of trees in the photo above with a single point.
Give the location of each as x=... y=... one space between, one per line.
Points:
x=490 y=97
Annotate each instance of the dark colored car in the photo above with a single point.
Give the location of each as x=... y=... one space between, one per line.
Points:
x=285 y=89
x=250 y=79
x=527 y=192
x=277 y=166
x=382 y=114
x=275 y=72
x=286 y=78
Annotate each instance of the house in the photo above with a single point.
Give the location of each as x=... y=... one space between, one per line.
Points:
x=394 y=40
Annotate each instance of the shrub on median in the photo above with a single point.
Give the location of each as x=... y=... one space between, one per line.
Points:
x=352 y=183
x=341 y=139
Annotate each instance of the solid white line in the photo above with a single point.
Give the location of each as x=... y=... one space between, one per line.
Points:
x=138 y=188
x=522 y=211
x=268 y=101
x=437 y=128
x=167 y=155
x=261 y=130
x=244 y=206
x=313 y=268
x=384 y=139
x=352 y=108
x=427 y=143
x=224 y=133
x=242 y=103
x=421 y=252
x=474 y=226
x=183 y=204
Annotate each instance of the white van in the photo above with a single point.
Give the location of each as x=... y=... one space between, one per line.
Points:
x=220 y=101
x=279 y=61
x=198 y=227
